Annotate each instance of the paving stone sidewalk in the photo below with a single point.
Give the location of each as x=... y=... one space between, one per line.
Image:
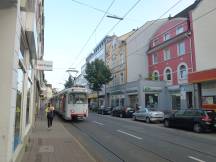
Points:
x=54 y=145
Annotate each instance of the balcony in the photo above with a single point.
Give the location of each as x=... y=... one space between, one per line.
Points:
x=7 y=3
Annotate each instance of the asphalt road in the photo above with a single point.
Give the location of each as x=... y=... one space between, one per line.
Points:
x=115 y=139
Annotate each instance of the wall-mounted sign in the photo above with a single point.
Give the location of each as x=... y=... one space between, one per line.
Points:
x=151 y=89
x=44 y=65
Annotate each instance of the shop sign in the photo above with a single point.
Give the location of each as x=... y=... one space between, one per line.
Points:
x=151 y=89
x=44 y=65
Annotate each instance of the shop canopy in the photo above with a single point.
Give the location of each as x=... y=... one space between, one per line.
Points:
x=202 y=76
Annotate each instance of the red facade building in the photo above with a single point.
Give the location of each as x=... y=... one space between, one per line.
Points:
x=170 y=59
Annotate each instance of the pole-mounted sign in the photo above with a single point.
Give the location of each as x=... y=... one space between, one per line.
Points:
x=44 y=65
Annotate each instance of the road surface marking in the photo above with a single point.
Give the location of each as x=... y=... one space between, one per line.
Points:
x=98 y=123
x=129 y=134
x=196 y=159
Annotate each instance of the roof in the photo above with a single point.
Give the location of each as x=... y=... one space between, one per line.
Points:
x=185 y=12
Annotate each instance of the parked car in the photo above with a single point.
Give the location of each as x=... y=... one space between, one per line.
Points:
x=123 y=112
x=198 y=120
x=104 y=110
x=148 y=115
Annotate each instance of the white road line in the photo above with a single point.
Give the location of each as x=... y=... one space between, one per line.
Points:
x=129 y=134
x=196 y=159
x=98 y=123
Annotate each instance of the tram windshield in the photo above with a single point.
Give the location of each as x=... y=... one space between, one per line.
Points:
x=77 y=98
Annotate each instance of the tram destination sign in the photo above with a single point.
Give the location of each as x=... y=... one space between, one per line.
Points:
x=44 y=65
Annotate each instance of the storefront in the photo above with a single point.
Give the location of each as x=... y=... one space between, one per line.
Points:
x=118 y=100
x=175 y=97
x=151 y=96
x=205 y=83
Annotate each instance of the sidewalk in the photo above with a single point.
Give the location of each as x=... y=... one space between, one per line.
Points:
x=55 y=145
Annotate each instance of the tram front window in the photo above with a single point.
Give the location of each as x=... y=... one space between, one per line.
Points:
x=77 y=98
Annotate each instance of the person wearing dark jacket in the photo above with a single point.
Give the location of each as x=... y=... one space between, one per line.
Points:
x=50 y=114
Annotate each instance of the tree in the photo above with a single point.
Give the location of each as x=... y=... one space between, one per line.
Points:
x=69 y=83
x=97 y=75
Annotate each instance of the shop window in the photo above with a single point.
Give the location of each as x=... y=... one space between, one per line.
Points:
x=151 y=100
x=176 y=102
x=117 y=102
x=122 y=101
x=19 y=100
x=133 y=99
x=209 y=100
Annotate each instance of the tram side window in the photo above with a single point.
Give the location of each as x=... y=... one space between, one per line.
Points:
x=77 y=98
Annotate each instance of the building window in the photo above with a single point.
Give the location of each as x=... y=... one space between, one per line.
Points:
x=28 y=102
x=167 y=55
x=168 y=75
x=121 y=58
x=179 y=30
x=113 y=60
x=115 y=80
x=166 y=36
x=155 y=42
x=182 y=72
x=155 y=76
x=154 y=58
x=181 y=48
x=19 y=99
x=121 y=78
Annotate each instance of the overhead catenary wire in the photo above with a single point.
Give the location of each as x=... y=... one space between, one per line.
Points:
x=92 y=7
x=99 y=10
x=192 y=21
x=135 y=53
x=113 y=27
x=89 y=38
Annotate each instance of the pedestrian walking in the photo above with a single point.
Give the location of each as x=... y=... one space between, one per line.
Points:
x=50 y=114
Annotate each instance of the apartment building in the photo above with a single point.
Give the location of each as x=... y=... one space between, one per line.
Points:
x=204 y=77
x=116 y=61
x=127 y=58
x=170 y=59
x=98 y=53
x=21 y=44
x=139 y=88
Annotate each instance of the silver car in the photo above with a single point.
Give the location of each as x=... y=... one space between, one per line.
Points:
x=148 y=115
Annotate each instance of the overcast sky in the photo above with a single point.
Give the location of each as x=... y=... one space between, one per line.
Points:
x=70 y=23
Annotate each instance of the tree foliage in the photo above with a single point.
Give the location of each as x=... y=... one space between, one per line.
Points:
x=69 y=83
x=97 y=74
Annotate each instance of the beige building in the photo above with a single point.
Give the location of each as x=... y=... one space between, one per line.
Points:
x=203 y=21
x=21 y=44
x=137 y=47
x=116 y=60
x=204 y=78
